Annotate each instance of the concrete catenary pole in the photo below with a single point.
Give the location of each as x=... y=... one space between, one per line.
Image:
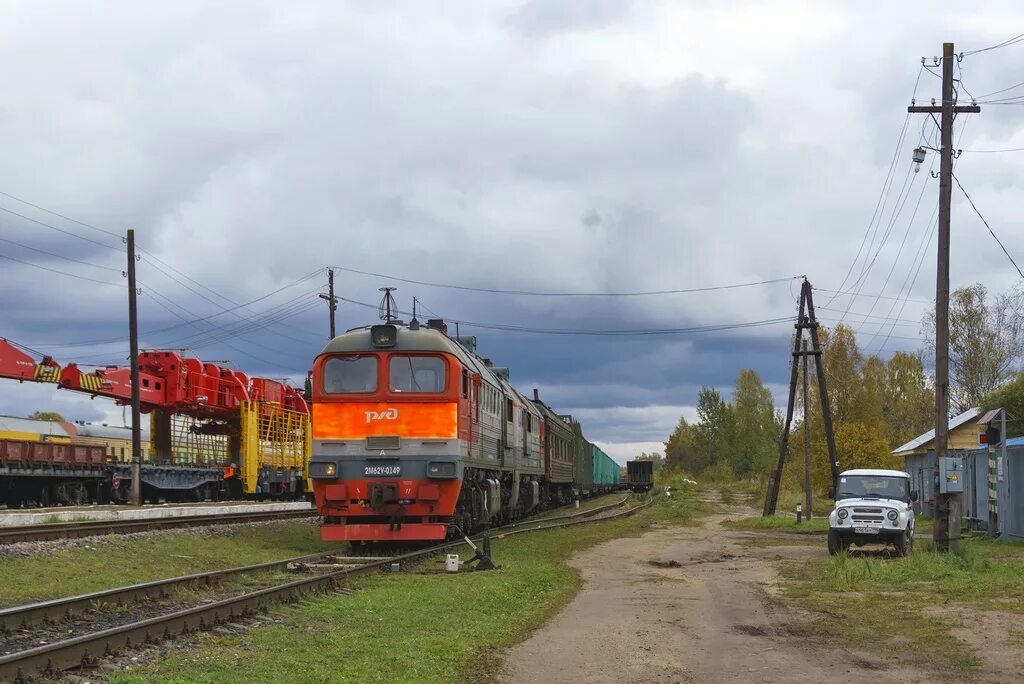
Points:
x=133 y=337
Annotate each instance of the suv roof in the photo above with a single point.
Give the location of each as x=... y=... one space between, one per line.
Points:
x=875 y=471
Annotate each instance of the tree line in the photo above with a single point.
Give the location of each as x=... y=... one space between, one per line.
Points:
x=877 y=404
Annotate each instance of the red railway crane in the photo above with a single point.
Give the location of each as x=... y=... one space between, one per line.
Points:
x=265 y=421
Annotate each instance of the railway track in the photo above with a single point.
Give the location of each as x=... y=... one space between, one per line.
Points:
x=70 y=530
x=85 y=650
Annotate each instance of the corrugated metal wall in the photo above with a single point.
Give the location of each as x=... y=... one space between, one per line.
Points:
x=921 y=469
x=1009 y=488
x=1011 y=513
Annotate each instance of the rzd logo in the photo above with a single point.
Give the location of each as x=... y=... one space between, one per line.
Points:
x=390 y=414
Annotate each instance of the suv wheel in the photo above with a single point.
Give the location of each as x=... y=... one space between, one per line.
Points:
x=905 y=544
x=835 y=544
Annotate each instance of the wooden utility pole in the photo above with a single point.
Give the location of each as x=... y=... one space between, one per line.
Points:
x=805 y=320
x=133 y=337
x=332 y=301
x=948 y=507
x=807 y=441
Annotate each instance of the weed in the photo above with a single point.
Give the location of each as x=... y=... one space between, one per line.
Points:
x=412 y=627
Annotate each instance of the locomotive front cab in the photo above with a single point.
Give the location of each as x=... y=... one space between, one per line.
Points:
x=387 y=455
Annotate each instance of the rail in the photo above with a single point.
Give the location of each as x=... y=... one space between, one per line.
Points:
x=86 y=650
x=93 y=528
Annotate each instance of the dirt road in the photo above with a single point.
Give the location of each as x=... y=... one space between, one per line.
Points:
x=708 y=620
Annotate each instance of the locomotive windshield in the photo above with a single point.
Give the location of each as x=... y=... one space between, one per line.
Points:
x=416 y=374
x=349 y=374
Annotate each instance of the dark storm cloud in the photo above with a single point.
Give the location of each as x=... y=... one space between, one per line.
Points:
x=560 y=146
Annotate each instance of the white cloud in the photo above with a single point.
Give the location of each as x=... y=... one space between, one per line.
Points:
x=545 y=146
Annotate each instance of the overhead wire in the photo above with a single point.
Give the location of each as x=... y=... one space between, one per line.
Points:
x=596 y=332
x=199 y=319
x=991 y=232
x=534 y=293
x=59 y=230
x=882 y=195
x=926 y=241
x=1006 y=43
x=58 y=271
x=61 y=256
x=903 y=243
x=149 y=256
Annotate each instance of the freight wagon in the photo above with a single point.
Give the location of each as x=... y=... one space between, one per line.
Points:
x=640 y=475
x=606 y=471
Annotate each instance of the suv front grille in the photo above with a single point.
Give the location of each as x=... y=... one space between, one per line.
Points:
x=867 y=518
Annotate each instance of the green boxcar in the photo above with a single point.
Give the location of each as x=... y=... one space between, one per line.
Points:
x=583 y=476
x=606 y=471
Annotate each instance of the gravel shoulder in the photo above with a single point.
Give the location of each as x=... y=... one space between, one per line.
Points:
x=686 y=605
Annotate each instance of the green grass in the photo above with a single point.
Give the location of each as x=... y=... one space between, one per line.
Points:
x=413 y=627
x=118 y=561
x=876 y=603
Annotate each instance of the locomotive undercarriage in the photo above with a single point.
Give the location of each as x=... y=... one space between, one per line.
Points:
x=518 y=497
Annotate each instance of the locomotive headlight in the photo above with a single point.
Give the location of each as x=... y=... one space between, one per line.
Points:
x=441 y=469
x=323 y=469
x=843 y=514
x=892 y=515
x=383 y=336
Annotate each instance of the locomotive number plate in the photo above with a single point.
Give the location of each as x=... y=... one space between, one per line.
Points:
x=382 y=470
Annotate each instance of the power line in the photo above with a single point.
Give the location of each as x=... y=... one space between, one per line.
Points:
x=148 y=333
x=61 y=256
x=63 y=273
x=532 y=293
x=926 y=241
x=1006 y=43
x=903 y=243
x=116 y=235
x=1012 y=149
x=154 y=296
x=997 y=92
x=992 y=232
x=583 y=331
x=883 y=193
x=59 y=230
x=54 y=213
x=897 y=209
x=840 y=293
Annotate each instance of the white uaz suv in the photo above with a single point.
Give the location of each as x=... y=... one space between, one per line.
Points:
x=872 y=507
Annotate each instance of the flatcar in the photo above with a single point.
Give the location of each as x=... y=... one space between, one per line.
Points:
x=416 y=437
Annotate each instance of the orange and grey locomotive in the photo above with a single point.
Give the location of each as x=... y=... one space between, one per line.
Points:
x=415 y=437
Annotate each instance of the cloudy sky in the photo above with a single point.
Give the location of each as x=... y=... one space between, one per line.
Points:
x=585 y=146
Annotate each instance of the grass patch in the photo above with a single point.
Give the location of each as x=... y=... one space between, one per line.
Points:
x=868 y=601
x=414 y=627
x=117 y=561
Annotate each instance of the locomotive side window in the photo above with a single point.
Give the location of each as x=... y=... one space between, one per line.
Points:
x=416 y=374
x=349 y=374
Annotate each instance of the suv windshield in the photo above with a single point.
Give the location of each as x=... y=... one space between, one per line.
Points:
x=877 y=486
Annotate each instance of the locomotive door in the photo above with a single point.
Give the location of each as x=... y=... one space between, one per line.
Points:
x=506 y=416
